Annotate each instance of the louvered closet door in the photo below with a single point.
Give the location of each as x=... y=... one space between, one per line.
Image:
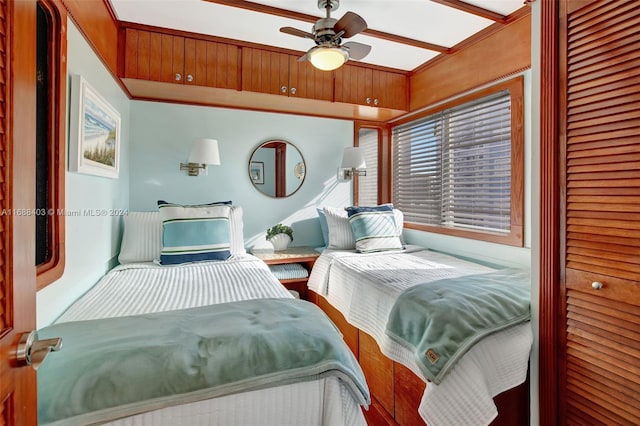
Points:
x=601 y=374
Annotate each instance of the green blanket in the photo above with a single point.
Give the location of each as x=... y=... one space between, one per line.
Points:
x=439 y=321
x=115 y=367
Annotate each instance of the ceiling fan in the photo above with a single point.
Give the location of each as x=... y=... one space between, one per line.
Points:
x=328 y=53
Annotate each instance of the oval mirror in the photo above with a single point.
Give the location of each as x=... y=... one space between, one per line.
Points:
x=277 y=168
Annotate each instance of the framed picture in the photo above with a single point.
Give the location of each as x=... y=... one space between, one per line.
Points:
x=256 y=170
x=94 y=144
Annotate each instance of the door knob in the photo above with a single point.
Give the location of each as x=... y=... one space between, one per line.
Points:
x=32 y=351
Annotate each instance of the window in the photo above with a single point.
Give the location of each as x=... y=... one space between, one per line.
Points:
x=50 y=143
x=368 y=184
x=458 y=169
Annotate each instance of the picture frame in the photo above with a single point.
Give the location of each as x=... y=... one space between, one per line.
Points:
x=256 y=171
x=94 y=143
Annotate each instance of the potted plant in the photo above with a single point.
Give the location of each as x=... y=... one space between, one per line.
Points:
x=280 y=236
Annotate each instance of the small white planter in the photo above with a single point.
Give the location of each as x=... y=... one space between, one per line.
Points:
x=280 y=241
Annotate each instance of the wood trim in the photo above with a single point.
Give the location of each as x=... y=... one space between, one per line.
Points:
x=472 y=9
x=550 y=228
x=253 y=101
x=256 y=7
x=502 y=54
x=54 y=267
x=96 y=22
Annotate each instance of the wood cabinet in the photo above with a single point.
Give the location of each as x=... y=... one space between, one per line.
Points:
x=170 y=58
x=371 y=87
x=304 y=256
x=278 y=73
x=600 y=124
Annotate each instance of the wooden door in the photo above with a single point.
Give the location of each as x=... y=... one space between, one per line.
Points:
x=17 y=234
x=154 y=56
x=265 y=71
x=306 y=81
x=389 y=89
x=211 y=64
x=600 y=141
x=354 y=85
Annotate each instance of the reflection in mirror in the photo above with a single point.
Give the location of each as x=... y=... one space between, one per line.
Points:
x=277 y=168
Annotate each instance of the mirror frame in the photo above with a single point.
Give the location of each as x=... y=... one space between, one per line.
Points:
x=280 y=145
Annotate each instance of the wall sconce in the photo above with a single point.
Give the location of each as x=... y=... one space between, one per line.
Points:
x=353 y=164
x=203 y=152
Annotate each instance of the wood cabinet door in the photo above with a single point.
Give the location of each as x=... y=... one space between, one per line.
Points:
x=211 y=64
x=306 y=81
x=17 y=231
x=154 y=56
x=265 y=71
x=600 y=116
x=353 y=85
x=389 y=90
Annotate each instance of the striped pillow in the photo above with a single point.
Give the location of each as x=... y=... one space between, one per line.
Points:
x=194 y=233
x=340 y=234
x=374 y=228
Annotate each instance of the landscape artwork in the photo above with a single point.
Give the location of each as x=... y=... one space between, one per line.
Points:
x=95 y=127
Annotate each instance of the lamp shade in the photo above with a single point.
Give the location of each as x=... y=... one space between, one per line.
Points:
x=352 y=158
x=327 y=58
x=204 y=151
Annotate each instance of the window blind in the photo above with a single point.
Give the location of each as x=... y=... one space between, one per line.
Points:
x=453 y=168
x=368 y=185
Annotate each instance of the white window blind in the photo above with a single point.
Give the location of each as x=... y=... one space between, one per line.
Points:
x=368 y=185
x=453 y=168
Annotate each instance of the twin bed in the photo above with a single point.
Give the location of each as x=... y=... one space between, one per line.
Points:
x=147 y=327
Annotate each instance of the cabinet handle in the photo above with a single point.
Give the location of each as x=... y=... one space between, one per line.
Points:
x=178 y=77
x=368 y=101
x=293 y=90
x=283 y=89
x=375 y=102
x=189 y=78
x=596 y=285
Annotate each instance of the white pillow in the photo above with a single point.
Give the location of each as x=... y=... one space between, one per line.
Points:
x=340 y=232
x=142 y=237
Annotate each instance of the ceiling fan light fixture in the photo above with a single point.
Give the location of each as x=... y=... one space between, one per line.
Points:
x=328 y=58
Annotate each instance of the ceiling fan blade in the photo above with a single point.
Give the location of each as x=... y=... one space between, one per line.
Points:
x=303 y=57
x=357 y=50
x=297 y=32
x=351 y=23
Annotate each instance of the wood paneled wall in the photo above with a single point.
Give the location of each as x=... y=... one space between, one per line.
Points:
x=98 y=24
x=503 y=53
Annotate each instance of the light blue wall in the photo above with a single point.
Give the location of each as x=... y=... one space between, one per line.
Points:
x=92 y=242
x=161 y=137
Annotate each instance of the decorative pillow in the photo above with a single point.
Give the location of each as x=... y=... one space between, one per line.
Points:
x=340 y=234
x=323 y=225
x=194 y=233
x=374 y=228
x=237 y=231
x=142 y=237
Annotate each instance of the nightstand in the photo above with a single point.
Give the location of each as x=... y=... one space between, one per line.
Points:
x=304 y=256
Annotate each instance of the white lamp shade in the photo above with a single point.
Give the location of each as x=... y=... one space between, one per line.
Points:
x=328 y=58
x=204 y=151
x=352 y=158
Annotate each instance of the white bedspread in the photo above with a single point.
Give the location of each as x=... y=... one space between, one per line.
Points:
x=363 y=287
x=140 y=288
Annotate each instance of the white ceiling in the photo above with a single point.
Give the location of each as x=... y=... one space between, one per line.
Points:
x=421 y=20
